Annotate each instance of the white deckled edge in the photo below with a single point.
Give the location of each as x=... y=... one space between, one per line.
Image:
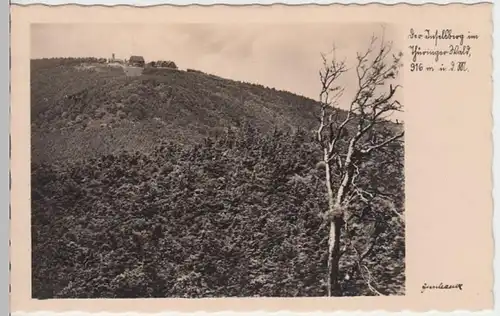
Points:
x=281 y=313
x=145 y=3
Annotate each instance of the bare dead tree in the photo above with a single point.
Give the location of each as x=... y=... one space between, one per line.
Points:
x=348 y=139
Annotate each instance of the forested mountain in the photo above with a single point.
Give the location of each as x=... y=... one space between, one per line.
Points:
x=80 y=110
x=185 y=184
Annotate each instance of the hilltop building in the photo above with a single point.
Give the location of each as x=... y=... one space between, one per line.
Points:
x=137 y=61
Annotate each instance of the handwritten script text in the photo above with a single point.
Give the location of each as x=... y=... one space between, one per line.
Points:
x=440 y=50
x=441 y=286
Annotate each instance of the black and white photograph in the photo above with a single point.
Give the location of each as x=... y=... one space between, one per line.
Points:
x=217 y=160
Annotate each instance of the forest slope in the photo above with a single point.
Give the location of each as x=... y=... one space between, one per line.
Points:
x=159 y=202
x=80 y=111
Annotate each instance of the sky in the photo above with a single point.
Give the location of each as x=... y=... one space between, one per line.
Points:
x=283 y=56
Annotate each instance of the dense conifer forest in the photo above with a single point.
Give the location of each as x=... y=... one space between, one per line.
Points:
x=185 y=184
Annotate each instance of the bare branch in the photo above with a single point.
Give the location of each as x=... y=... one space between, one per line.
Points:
x=382 y=144
x=366 y=277
x=340 y=129
x=330 y=93
x=368 y=281
x=330 y=73
x=370 y=105
x=321 y=124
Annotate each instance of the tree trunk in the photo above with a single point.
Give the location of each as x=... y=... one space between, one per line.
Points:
x=334 y=257
x=328 y=176
x=336 y=224
x=337 y=220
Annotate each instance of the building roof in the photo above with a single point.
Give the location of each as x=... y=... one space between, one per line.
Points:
x=136 y=58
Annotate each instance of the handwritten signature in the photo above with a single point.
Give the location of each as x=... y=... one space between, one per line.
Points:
x=441 y=286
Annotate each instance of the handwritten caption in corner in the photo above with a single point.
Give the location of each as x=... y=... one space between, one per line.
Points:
x=440 y=50
x=441 y=286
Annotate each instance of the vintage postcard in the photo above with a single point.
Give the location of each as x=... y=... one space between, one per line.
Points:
x=270 y=158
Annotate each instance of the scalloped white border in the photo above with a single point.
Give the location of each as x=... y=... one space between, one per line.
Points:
x=238 y=2
x=496 y=134
x=281 y=313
